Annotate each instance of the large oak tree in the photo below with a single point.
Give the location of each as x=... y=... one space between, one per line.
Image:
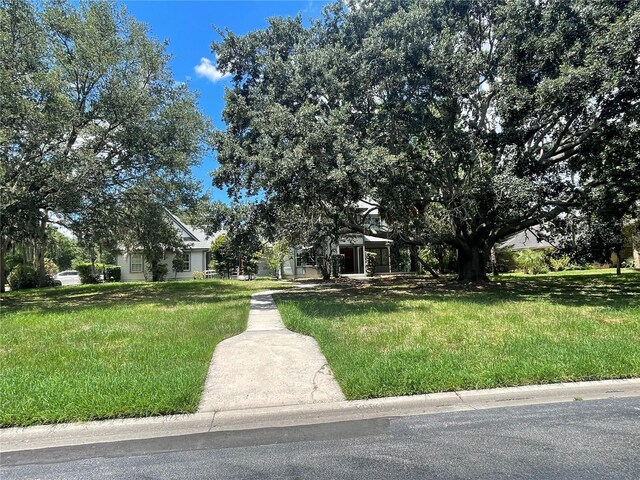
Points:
x=467 y=121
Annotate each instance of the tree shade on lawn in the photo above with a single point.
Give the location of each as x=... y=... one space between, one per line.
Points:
x=409 y=336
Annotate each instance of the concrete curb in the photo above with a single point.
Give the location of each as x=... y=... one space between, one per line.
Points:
x=47 y=436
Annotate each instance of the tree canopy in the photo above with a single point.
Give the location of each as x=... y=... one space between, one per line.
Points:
x=467 y=121
x=89 y=111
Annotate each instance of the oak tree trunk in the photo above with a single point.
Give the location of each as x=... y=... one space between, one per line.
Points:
x=413 y=258
x=472 y=264
x=3 y=250
x=40 y=246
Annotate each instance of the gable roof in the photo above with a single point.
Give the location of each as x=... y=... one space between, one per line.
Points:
x=194 y=237
x=526 y=239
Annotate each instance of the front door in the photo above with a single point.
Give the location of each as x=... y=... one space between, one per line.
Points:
x=349 y=259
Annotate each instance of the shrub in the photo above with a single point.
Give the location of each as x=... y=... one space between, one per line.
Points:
x=370 y=263
x=532 y=261
x=198 y=275
x=22 y=277
x=159 y=272
x=506 y=261
x=574 y=266
x=559 y=264
x=50 y=267
x=86 y=272
x=112 y=273
x=337 y=264
x=49 y=281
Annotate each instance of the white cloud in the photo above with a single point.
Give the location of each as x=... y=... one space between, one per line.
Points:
x=206 y=68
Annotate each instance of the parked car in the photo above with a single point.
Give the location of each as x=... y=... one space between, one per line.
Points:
x=68 y=277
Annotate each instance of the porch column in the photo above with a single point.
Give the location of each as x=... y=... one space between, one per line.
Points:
x=294 y=263
x=389 y=256
x=364 y=256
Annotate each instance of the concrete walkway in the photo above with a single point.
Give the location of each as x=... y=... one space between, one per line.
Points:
x=267 y=366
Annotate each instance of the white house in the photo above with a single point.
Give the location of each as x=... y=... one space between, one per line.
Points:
x=196 y=255
x=353 y=246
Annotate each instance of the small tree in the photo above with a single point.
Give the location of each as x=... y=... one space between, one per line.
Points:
x=275 y=255
x=224 y=258
x=177 y=265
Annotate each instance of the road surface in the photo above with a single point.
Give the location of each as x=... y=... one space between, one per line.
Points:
x=578 y=440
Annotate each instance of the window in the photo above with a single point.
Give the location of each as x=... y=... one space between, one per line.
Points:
x=304 y=257
x=382 y=256
x=136 y=263
x=187 y=261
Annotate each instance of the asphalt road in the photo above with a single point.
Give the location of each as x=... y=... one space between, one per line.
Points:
x=582 y=440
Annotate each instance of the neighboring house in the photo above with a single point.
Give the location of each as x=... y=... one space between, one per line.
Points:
x=527 y=239
x=196 y=255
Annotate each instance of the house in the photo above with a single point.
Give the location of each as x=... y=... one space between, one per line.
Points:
x=196 y=254
x=528 y=239
x=302 y=262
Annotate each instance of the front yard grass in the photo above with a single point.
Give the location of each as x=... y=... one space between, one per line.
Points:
x=113 y=350
x=409 y=336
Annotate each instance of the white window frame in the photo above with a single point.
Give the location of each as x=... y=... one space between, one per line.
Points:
x=131 y=263
x=187 y=261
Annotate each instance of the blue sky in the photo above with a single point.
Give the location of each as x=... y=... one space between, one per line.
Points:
x=188 y=27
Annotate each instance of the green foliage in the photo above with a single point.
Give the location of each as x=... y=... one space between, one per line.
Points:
x=506 y=260
x=370 y=263
x=12 y=260
x=61 y=249
x=89 y=273
x=243 y=242
x=560 y=263
x=160 y=271
x=337 y=264
x=112 y=273
x=532 y=261
x=22 y=277
x=427 y=255
x=50 y=267
x=250 y=266
x=177 y=265
x=223 y=256
x=148 y=228
x=90 y=116
x=275 y=255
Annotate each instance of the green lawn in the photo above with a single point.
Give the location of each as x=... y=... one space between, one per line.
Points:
x=421 y=335
x=113 y=350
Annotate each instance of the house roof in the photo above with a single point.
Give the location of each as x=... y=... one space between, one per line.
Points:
x=527 y=239
x=372 y=239
x=194 y=237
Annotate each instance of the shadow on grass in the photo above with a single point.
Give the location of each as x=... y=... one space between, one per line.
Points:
x=166 y=294
x=386 y=294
